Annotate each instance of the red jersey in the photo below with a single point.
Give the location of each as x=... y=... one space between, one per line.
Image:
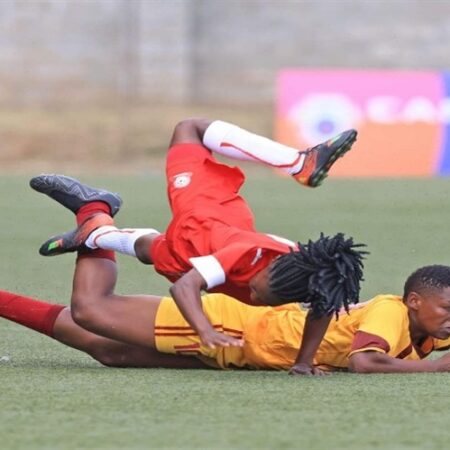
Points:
x=212 y=227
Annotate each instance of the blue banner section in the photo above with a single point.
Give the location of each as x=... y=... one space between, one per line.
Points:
x=444 y=166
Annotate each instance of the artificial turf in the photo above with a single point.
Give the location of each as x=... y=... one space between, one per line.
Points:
x=55 y=397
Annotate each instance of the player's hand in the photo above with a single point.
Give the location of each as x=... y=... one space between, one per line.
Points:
x=213 y=339
x=306 y=369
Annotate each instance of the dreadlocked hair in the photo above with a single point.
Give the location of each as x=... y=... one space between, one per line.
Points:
x=325 y=273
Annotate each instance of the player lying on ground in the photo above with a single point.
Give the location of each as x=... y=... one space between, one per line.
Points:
x=211 y=243
x=386 y=334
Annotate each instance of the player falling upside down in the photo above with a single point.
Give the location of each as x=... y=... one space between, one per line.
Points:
x=211 y=243
x=387 y=334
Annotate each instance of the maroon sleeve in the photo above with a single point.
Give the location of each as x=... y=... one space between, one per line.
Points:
x=363 y=340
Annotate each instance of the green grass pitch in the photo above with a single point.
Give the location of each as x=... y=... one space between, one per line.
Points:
x=53 y=397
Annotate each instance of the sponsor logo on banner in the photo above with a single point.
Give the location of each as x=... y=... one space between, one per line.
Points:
x=403 y=118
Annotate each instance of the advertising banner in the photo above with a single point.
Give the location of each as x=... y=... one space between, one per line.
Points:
x=402 y=117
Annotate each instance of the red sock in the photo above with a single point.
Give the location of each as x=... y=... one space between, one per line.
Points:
x=90 y=209
x=83 y=213
x=29 y=312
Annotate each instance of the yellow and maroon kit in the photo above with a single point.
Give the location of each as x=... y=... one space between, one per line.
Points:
x=441 y=344
x=272 y=335
x=212 y=228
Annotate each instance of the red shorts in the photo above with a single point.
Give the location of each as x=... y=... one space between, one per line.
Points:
x=206 y=206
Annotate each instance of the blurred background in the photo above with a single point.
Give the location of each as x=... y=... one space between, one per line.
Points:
x=97 y=85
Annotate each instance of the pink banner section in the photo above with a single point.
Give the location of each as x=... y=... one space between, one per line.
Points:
x=400 y=117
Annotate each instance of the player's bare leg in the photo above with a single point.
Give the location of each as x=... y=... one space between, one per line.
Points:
x=113 y=353
x=95 y=306
x=56 y=322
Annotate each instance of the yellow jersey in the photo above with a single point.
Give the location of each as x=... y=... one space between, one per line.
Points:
x=272 y=337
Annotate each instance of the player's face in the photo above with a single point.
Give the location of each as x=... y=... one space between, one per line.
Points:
x=259 y=289
x=433 y=313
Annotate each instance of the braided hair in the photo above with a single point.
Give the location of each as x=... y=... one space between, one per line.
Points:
x=325 y=273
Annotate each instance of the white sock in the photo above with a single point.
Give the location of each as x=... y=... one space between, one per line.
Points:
x=122 y=241
x=234 y=142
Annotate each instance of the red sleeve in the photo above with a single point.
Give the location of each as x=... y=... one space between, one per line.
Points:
x=239 y=260
x=249 y=255
x=237 y=256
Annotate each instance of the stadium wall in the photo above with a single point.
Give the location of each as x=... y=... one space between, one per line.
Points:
x=184 y=51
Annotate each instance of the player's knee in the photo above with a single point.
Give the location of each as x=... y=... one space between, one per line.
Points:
x=189 y=131
x=79 y=316
x=142 y=246
x=108 y=358
x=188 y=125
x=83 y=313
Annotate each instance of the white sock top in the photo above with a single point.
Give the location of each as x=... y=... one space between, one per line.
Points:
x=122 y=241
x=230 y=140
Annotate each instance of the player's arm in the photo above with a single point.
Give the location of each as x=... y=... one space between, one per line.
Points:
x=382 y=334
x=313 y=333
x=377 y=362
x=187 y=295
